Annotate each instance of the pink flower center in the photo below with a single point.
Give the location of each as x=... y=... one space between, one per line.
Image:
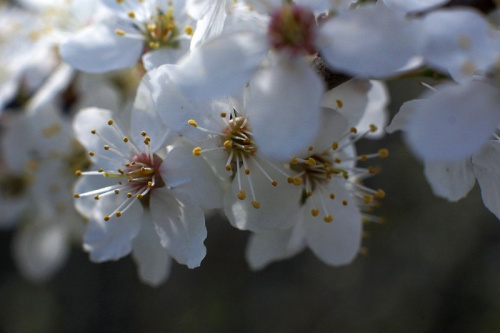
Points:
x=293 y=28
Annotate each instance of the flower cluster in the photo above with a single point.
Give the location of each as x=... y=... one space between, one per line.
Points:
x=125 y=122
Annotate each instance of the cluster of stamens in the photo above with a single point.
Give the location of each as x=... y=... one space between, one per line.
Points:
x=137 y=177
x=158 y=28
x=236 y=140
x=318 y=168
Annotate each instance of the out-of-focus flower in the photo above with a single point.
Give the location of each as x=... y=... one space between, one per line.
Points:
x=157 y=31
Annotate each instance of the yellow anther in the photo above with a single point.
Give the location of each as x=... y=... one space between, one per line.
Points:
x=78 y=172
x=154 y=45
x=274 y=183
x=311 y=148
x=289 y=180
x=310 y=161
x=119 y=32
x=383 y=153
x=353 y=130
x=241 y=195
x=247 y=140
x=363 y=158
x=106 y=218
x=380 y=194
x=328 y=218
x=125 y=139
x=373 y=128
x=314 y=212
x=293 y=160
x=121 y=171
x=345 y=202
x=192 y=123
x=129 y=195
x=309 y=193
x=91 y=153
x=335 y=146
x=131 y=14
x=96 y=197
x=256 y=204
x=100 y=170
x=337 y=160
x=372 y=170
x=340 y=104
x=118 y=214
x=110 y=122
x=332 y=196
x=139 y=196
x=151 y=27
x=76 y=195
x=106 y=147
x=197 y=151
x=143 y=133
x=247 y=171
x=94 y=131
x=189 y=30
x=227 y=144
x=297 y=181
x=228 y=167
x=367 y=198
x=223 y=114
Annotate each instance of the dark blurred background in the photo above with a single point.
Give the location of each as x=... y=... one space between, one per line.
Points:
x=433 y=266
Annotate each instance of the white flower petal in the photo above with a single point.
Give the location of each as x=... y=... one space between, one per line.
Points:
x=264 y=248
x=458 y=40
x=180 y=223
x=350 y=99
x=87 y=120
x=337 y=242
x=161 y=56
x=279 y=205
x=450 y=180
x=111 y=240
x=192 y=174
x=152 y=258
x=212 y=22
x=370 y=41
x=98 y=49
x=486 y=169
x=283 y=122
x=145 y=119
x=403 y=117
x=40 y=251
x=414 y=5
x=221 y=66
x=333 y=126
x=176 y=109
x=454 y=122
x=376 y=112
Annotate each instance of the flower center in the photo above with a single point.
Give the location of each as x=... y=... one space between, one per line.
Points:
x=137 y=173
x=293 y=28
x=315 y=171
x=236 y=140
x=156 y=26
